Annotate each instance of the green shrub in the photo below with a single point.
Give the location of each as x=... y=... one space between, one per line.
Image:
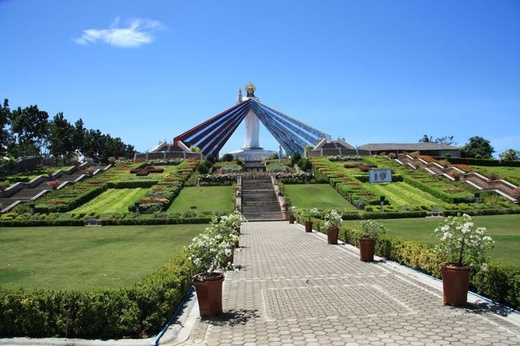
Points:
x=136 y=312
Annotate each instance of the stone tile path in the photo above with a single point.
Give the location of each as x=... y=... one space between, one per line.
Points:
x=295 y=289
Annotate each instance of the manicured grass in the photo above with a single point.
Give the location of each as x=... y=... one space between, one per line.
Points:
x=401 y=194
x=321 y=196
x=207 y=198
x=83 y=258
x=504 y=229
x=113 y=201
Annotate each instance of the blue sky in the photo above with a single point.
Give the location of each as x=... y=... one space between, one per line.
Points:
x=367 y=71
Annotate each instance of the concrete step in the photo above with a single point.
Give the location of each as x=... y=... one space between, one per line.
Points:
x=259 y=200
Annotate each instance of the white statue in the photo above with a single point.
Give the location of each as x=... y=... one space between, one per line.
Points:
x=252 y=123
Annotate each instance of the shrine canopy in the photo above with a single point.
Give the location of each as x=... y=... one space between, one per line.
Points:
x=210 y=136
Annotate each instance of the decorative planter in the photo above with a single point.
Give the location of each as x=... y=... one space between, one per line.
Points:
x=455 y=284
x=209 y=293
x=366 y=249
x=308 y=226
x=291 y=218
x=332 y=235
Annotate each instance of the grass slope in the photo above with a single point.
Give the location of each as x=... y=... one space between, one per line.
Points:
x=112 y=201
x=84 y=258
x=207 y=198
x=321 y=196
x=504 y=229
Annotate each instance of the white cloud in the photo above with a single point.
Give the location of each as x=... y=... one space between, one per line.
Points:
x=136 y=33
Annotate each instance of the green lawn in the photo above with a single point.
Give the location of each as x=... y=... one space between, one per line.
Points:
x=207 y=198
x=112 y=201
x=84 y=258
x=321 y=196
x=504 y=229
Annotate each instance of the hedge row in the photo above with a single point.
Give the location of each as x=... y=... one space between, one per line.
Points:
x=500 y=283
x=114 y=221
x=136 y=312
x=73 y=201
x=480 y=162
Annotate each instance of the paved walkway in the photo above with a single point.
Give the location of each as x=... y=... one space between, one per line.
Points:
x=295 y=289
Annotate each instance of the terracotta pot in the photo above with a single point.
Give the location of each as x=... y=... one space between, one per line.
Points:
x=366 y=249
x=291 y=218
x=308 y=226
x=332 y=235
x=209 y=293
x=455 y=284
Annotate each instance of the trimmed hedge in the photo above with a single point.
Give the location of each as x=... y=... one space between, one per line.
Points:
x=163 y=219
x=136 y=312
x=479 y=162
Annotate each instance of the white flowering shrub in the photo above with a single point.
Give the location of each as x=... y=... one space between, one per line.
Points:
x=371 y=229
x=461 y=243
x=209 y=250
x=332 y=219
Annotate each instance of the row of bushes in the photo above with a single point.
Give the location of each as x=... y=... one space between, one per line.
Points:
x=47 y=205
x=500 y=283
x=136 y=312
x=480 y=162
x=161 y=218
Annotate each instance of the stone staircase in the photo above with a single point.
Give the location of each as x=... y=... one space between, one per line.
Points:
x=259 y=199
x=29 y=191
x=502 y=187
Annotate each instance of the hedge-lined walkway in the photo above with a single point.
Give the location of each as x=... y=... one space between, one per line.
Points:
x=295 y=289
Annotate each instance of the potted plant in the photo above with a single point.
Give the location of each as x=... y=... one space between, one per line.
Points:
x=307 y=215
x=212 y=253
x=461 y=250
x=292 y=213
x=233 y=221
x=332 y=220
x=369 y=232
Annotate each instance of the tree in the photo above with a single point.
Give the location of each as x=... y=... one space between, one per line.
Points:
x=477 y=147
x=426 y=139
x=79 y=137
x=61 y=138
x=510 y=155
x=29 y=128
x=446 y=140
x=5 y=122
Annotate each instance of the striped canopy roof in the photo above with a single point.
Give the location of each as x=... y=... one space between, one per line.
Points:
x=211 y=135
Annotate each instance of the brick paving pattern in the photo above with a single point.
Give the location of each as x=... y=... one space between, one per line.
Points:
x=295 y=289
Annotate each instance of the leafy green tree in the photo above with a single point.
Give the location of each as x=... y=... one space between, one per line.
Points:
x=477 y=147
x=5 y=121
x=510 y=155
x=446 y=140
x=29 y=128
x=61 y=138
x=227 y=157
x=296 y=158
x=78 y=137
x=426 y=139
